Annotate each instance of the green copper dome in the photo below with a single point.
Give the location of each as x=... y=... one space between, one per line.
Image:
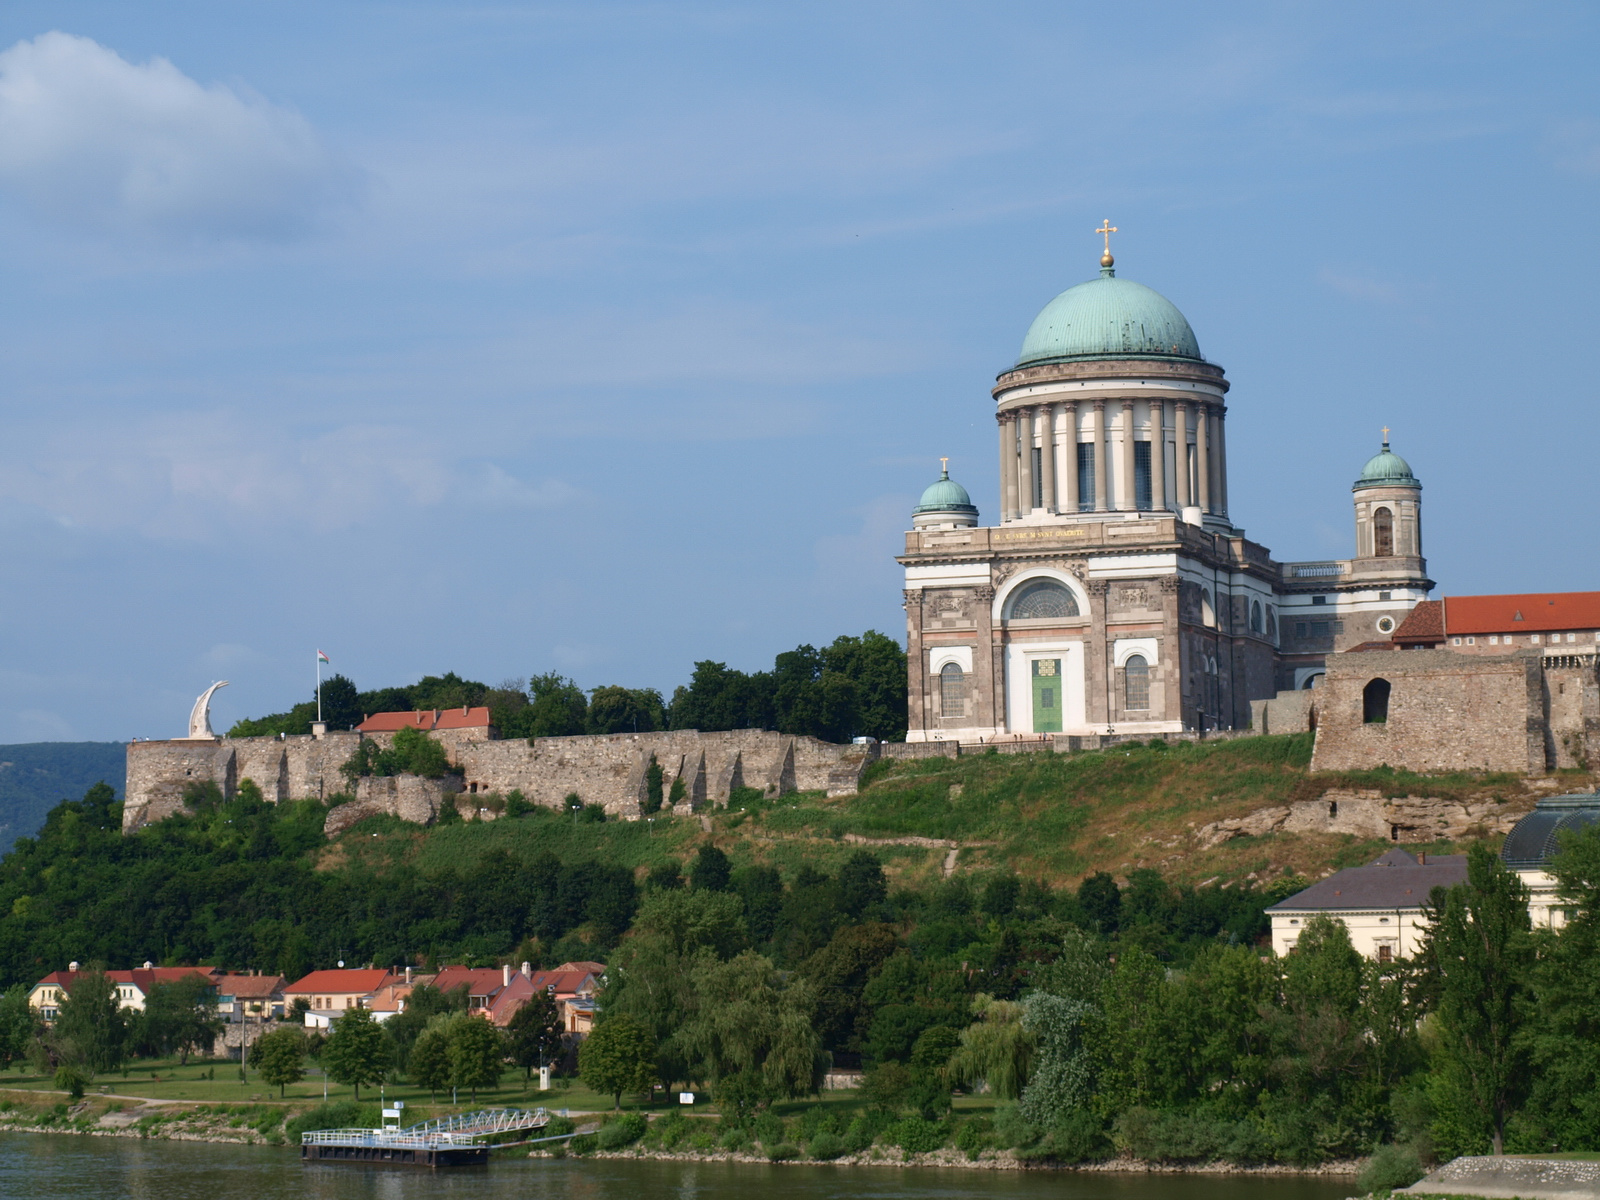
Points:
x=945 y=495
x=1386 y=469
x=1108 y=318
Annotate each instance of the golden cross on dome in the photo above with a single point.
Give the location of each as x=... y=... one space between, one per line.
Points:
x=944 y=465
x=1385 y=435
x=1107 y=228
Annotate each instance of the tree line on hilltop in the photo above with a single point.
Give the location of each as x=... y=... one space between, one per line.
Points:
x=854 y=687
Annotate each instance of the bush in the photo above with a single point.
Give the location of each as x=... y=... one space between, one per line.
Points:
x=338 y=1114
x=583 y=1145
x=72 y=1080
x=1079 y=1138
x=916 y=1135
x=973 y=1138
x=734 y=1140
x=864 y=1130
x=767 y=1128
x=1390 y=1167
x=624 y=1131
x=1172 y=1136
x=825 y=1147
x=782 y=1152
x=1013 y=1130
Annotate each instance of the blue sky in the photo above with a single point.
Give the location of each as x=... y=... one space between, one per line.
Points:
x=604 y=338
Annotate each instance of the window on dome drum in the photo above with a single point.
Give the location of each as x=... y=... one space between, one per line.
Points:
x=1043 y=598
x=952 y=691
x=1141 y=476
x=1136 y=683
x=1383 y=533
x=1085 y=476
x=1255 y=616
x=1375 y=702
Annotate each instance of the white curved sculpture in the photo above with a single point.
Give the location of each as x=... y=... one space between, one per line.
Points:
x=200 y=718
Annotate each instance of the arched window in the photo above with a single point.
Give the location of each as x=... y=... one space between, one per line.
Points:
x=1255 y=616
x=1136 y=683
x=1375 y=702
x=1383 y=533
x=952 y=691
x=1208 y=615
x=1041 y=599
x=1312 y=681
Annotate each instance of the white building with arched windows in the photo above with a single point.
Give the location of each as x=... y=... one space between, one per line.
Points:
x=1115 y=592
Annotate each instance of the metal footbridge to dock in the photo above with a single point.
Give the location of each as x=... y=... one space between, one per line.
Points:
x=461 y=1140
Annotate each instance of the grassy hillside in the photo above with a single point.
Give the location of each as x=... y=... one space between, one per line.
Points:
x=36 y=776
x=1056 y=818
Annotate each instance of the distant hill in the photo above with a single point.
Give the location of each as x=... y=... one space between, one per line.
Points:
x=37 y=776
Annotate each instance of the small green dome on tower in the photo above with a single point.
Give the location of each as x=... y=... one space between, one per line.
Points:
x=1108 y=318
x=945 y=495
x=1386 y=469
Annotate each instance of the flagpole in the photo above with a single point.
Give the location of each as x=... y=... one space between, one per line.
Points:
x=319 y=687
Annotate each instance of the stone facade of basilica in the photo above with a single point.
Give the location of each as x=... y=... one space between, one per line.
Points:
x=1115 y=593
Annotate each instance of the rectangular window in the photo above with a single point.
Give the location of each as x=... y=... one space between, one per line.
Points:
x=1038 y=475
x=1319 y=629
x=1319 y=599
x=1494 y=639
x=1300 y=629
x=1384 y=596
x=1141 y=476
x=1455 y=641
x=1534 y=639
x=1472 y=641
x=1085 y=476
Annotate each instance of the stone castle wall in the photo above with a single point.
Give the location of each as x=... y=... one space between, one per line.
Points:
x=1447 y=712
x=607 y=769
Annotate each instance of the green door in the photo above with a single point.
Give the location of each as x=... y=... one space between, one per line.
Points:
x=1047 y=695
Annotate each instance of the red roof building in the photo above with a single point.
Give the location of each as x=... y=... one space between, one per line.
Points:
x=1499 y=624
x=427 y=720
x=334 y=991
x=133 y=987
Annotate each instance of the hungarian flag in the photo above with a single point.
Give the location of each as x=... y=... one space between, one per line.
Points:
x=321 y=657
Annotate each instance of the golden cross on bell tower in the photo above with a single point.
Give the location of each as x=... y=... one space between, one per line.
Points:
x=1107 y=229
x=944 y=466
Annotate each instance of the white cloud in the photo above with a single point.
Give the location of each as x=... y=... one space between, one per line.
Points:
x=88 y=138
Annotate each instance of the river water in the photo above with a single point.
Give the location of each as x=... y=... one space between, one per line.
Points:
x=51 y=1166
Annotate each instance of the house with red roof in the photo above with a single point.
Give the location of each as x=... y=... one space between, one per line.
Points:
x=1557 y=623
x=133 y=987
x=329 y=994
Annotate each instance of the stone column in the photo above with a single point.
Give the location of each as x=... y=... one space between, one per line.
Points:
x=916 y=663
x=1070 y=504
x=1202 y=458
x=1047 y=456
x=1098 y=429
x=1158 y=455
x=1222 y=461
x=1127 y=494
x=1025 y=461
x=1008 y=465
x=1096 y=659
x=989 y=703
x=1180 y=427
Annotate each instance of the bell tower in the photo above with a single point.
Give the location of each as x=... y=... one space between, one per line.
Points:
x=1388 y=504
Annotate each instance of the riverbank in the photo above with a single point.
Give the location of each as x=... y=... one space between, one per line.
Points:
x=262 y=1124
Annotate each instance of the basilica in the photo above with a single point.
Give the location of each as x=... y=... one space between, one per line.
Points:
x=1114 y=593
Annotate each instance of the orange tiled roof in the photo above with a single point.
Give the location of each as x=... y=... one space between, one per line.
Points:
x=1533 y=612
x=426 y=719
x=343 y=982
x=1424 y=624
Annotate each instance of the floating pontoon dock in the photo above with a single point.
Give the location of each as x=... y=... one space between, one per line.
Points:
x=447 y=1142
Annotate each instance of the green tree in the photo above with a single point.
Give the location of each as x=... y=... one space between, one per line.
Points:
x=424 y=1004
x=750 y=1021
x=476 y=1053
x=91 y=1029
x=625 y=710
x=429 y=1064
x=355 y=1052
x=619 y=1056
x=654 y=778
x=1480 y=947
x=18 y=1024
x=181 y=1017
x=997 y=1049
x=1565 y=1039
x=558 y=707
x=535 y=1033
x=279 y=1057
x=711 y=870
x=1062 y=1071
